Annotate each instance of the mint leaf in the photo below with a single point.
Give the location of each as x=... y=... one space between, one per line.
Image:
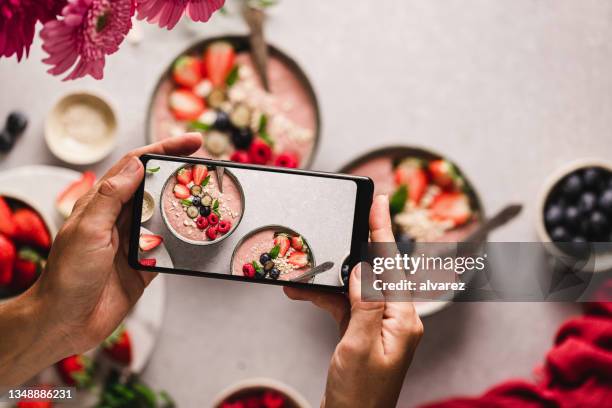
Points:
x=205 y=181
x=153 y=170
x=274 y=251
x=257 y=266
x=398 y=200
x=263 y=123
x=215 y=207
x=232 y=77
x=197 y=125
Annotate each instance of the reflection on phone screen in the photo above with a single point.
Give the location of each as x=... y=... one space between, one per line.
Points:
x=250 y=223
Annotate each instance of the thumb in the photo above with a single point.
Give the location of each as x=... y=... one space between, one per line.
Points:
x=366 y=316
x=113 y=193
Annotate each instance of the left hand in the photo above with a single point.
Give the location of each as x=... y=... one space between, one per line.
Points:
x=88 y=287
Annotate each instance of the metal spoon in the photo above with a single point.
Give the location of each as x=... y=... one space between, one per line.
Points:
x=220 y=170
x=325 y=266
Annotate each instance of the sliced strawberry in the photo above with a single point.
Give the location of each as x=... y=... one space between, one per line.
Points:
x=187 y=71
x=7 y=260
x=298 y=259
x=185 y=105
x=200 y=172
x=28 y=266
x=443 y=173
x=218 y=60
x=297 y=242
x=118 y=346
x=411 y=174
x=148 y=262
x=7 y=225
x=181 y=192
x=184 y=176
x=451 y=206
x=67 y=198
x=75 y=370
x=31 y=229
x=283 y=243
x=34 y=404
x=149 y=241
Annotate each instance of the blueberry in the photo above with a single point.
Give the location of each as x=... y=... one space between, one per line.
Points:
x=593 y=177
x=572 y=217
x=6 y=141
x=204 y=211
x=605 y=201
x=559 y=234
x=242 y=138
x=587 y=202
x=16 y=123
x=260 y=273
x=222 y=121
x=264 y=258
x=572 y=186
x=274 y=273
x=196 y=201
x=599 y=224
x=554 y=215
x=345 y=272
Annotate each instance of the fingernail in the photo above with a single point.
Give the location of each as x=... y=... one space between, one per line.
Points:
x=192 y=134
x=131 y=167
x=383 y=197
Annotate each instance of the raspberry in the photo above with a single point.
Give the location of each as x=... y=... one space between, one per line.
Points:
x=248 y=270
x=286 y=160
x=211 y=233
x=260 y=152
x=240 y=156
x=202 y=223
x=224 y=226
x=213 y=219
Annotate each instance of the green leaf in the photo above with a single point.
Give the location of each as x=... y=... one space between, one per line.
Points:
x=186 y=202
x=274 y=251
x=153 y=170
x=232 y=77
x=257 y=266
x=147 y=396
x=205 y=181
x=215 y=207
x=263 y=123
x=167 y=401
x=197 y=125
x=398 y=200
x=28 y=254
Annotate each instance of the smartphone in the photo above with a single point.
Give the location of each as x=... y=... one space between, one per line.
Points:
x=251 y=223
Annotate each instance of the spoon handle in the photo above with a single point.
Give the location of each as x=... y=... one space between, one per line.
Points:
x=254 y=17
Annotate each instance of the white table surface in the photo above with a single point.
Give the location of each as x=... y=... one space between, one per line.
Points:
x=510 y=89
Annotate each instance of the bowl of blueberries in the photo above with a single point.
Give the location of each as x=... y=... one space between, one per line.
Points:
x=575 y=212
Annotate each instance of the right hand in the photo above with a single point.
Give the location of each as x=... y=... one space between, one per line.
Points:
x=378 y=339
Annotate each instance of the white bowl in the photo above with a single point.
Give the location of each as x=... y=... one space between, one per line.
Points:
x=258 y=383
x=81 y=128
x=602 y=261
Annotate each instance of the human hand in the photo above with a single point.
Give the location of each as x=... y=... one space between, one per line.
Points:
x=378 y=339
x=88 y=286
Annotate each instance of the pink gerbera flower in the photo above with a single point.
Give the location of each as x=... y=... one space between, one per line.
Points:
x=17 y=21
x=88 y=31
x=167 y=13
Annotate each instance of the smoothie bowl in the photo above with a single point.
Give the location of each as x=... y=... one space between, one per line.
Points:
x=196 y=210
x=272 y=252
x=430 y=198
x=212 y=88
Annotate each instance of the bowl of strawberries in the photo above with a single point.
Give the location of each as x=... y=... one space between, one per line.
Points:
x=260 y=392
x=25 y=241
x=212 y=87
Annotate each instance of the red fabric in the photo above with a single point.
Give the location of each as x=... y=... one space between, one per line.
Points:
x=577 y=372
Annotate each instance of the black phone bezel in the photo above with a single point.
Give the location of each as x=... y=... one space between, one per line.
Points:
x=363 y=202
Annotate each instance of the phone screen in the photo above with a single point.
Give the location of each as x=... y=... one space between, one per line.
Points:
x=206 y=217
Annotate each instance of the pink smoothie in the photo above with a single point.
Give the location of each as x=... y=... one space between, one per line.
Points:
x=230 y=207
x=291 y=116
x=255 y=245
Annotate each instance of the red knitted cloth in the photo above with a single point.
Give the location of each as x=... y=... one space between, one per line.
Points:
x=577 y=372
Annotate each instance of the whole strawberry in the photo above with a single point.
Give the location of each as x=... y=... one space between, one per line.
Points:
x=7 y=260
x=75 y=370
x=118 y=346
x=7 y=224
x=28 y=266
x=30 y=229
